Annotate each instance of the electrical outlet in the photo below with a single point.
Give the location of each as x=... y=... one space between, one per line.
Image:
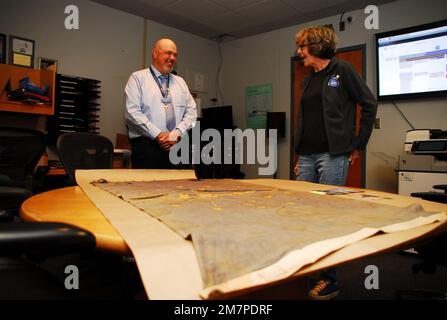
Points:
x=378 y=123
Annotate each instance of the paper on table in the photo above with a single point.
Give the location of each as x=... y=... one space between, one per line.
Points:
x=167 y=263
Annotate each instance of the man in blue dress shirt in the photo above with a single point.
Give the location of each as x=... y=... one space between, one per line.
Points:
x=159 y=109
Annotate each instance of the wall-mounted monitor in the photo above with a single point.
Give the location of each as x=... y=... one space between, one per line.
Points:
x=412 y=62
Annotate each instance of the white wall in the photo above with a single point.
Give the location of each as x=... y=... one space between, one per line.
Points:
x=266 y=58
x=108 y=46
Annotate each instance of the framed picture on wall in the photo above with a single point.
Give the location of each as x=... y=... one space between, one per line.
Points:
x=21 y=52
x=2 y=48
x=44 y=63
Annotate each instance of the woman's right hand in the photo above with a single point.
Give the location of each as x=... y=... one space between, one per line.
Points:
x=295 y=167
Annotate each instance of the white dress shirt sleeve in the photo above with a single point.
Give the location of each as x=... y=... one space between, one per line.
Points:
x=134 y=114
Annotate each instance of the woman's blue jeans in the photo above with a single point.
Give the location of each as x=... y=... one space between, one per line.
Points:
x=326 y=169
x=323 y=168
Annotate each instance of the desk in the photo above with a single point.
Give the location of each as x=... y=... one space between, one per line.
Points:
x=72 y=206
x=57 y=172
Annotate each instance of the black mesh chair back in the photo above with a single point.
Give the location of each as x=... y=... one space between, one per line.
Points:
x=82 y=150
x=20 y=151
x=23 y=246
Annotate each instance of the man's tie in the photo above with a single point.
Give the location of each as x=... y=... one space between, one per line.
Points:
x=170 y=115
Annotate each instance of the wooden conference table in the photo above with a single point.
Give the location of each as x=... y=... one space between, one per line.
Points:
x=71 y=205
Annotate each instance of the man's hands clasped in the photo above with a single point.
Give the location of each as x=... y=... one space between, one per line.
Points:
x=167 y=140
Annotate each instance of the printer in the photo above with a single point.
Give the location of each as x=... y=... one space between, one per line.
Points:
x=426 y=151
x=425 y=162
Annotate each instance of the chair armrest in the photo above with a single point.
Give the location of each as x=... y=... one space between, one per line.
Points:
x=43 y=238
x=441 y=187
x=431 y=196
x=13 y=195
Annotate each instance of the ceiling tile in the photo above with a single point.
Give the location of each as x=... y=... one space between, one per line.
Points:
x=266 y=11
x=197 y=10
x=227 y=23
x=235 y=4
x=156 y=3
x=308 y=6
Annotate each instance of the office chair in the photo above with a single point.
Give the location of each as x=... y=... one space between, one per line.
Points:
x=432 y=251
x=82 y=150
x=433 y=196
x=122 y=156
x=20 y=151
x=21 y=278
x=93 y=151
x=122 y=141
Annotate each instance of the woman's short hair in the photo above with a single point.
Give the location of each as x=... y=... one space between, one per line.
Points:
x=321 y=41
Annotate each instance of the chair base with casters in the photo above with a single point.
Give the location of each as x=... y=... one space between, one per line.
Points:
x=24 y=279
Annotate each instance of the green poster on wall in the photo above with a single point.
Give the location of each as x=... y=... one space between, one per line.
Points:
x=258 y=101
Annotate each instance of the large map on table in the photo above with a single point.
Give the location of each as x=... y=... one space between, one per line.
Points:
x=237 y=228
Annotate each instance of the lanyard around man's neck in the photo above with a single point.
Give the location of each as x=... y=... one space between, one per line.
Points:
x=164 y=92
